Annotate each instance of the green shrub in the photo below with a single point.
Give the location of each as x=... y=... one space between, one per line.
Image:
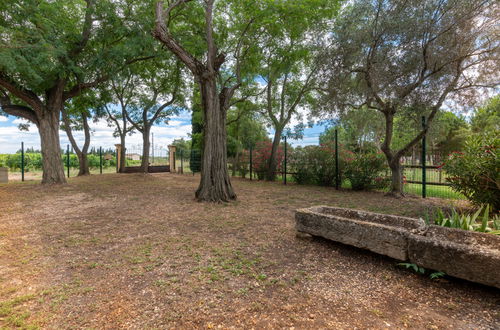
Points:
x=365 y=170
x=475 y=172
x=3 y=160
x=314 y=165
x=298 y=164
x=262 y=156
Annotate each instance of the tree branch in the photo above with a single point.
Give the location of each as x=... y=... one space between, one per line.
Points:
x=17 y=110
x=80 y=87
x=162 y=33
x=69 y=133
x=24 y=94
x=87 y=26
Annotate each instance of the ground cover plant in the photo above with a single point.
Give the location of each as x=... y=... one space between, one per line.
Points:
x=137 y=250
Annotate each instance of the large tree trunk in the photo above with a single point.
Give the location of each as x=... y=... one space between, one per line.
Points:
x=273 y=161
x=83 y=164
x=145 y=149
x=396 y=178
x=123 y=153
x=215 y=184
x=83 y=157
x=393 y=159
x=48 y=128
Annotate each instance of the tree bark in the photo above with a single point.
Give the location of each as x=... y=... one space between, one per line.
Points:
x=83 y=164
x=48 y=128
x=145 y=149
x=273 y=161
x=396 y=178
x=215 y=184
x=123 y=150
x=123 y=153
x=393 y=159
x=83 y=158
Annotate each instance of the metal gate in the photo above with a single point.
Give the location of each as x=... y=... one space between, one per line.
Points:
x=158 y=159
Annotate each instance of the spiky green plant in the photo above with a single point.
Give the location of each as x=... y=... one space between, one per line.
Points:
x=472 y=222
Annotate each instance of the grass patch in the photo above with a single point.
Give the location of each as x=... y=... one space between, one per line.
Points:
x=432 y=191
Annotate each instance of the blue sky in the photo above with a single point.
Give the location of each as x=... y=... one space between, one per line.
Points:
x=102 y=135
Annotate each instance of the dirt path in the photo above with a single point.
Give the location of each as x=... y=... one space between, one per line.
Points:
x=133 y=251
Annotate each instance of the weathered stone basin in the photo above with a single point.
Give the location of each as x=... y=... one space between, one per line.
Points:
x=468 y=255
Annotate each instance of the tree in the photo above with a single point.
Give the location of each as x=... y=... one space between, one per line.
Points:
x=182 y=144
x=289 y=45
x=47 y=58
x=154 y=82
x=245 y=129
x=487 y=118
x=357 y=130
x=75 y=116
x=224 y=46
x=447 y=134
x=120 y=92
x=391 y=55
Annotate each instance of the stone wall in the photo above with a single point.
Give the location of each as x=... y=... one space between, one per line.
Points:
x=4 y=174
x=464 y=254
x=151 y=169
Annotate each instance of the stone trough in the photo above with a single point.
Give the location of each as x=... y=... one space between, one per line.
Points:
x=464 y=254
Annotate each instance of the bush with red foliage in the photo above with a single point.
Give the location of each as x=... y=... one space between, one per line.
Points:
x=262 y=155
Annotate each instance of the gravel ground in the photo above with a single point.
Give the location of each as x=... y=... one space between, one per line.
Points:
x=136 y=251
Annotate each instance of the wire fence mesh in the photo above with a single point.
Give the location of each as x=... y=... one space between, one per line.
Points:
x=248 y=165
x=426 y=180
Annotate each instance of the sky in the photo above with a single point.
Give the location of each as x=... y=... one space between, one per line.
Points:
x=102 y=135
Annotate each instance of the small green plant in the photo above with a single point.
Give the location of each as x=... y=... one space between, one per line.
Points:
x=416 y=268
x=437 y=275
x=472 y=222
x=421 y=270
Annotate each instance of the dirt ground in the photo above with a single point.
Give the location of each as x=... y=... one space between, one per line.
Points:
x=136 y=251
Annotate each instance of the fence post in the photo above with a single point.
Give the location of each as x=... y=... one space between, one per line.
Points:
x=336 y=159
x=250 y=149
x=182 y=161
x=22 y=161
x=424 y=174
x=100 y=160
x=284 y=165
x=67 y=158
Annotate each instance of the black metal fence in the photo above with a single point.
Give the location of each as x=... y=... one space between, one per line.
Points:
x=418 y=179
x=29 y=161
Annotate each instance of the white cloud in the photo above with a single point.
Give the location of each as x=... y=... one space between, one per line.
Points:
x=102 y=135
x=20 y=121
x=3 y=119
